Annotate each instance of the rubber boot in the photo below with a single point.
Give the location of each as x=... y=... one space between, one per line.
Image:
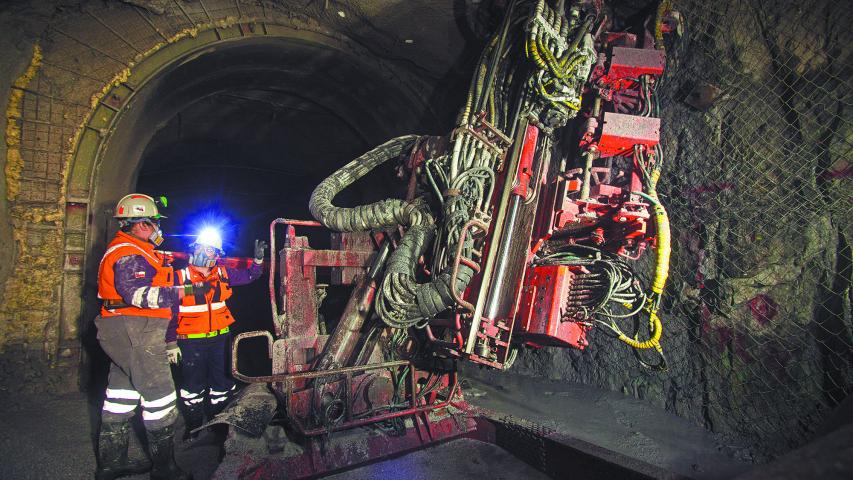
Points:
x=193 y=418
x=220 y=431
x=112 y=453
x=162 y=445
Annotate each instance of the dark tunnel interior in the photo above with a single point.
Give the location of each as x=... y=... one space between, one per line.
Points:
x=245 y=134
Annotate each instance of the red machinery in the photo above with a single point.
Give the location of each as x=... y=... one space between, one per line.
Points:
x=598 y=203
x=507 y=238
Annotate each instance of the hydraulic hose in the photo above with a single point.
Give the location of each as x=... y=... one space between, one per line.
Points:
x=380 y=215
x=402 y=302
x=653 y=341
x=661 y=11
x=664 y=248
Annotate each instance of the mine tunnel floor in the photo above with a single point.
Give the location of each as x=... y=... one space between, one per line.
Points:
x=44 y=436
x=52 y=436
x=462 y=458
x=633 y=429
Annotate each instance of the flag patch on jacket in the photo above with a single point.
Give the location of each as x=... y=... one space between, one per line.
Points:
x=139 y=275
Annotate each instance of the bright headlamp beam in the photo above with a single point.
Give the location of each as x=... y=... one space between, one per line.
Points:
x=210 y=237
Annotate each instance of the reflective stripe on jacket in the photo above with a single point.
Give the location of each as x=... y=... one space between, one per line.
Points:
x=204 y=313
x=125 y=245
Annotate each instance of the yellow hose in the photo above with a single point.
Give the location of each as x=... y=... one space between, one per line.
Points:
x=664 y=249
x=574 y=106
x=662 y=8
x=492 y=113
x=571 y=62
x=534 y=53
x=561 y=68
x=664 y=245
x=653 y=342
x=550 y=60
x=655 y=177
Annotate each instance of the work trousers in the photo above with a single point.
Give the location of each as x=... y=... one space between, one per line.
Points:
x=139 y=370
x=205 y=365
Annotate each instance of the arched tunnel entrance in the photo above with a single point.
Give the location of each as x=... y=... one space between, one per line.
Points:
x=237 y=133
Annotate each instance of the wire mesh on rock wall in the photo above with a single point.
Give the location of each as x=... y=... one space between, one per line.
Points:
x=757 y=193
x=757 y=131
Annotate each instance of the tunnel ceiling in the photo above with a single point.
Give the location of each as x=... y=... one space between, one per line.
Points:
x=280 y=106
x=266 y=130
x=251 y=119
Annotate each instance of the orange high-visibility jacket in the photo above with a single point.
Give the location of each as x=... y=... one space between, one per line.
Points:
x=204 y=313
x=123 y=245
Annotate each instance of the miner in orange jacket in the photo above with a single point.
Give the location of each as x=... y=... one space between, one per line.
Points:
x=138 y=295
x=203 y=328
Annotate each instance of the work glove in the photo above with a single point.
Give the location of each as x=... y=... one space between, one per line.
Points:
x=174 y=353
x=260 y=248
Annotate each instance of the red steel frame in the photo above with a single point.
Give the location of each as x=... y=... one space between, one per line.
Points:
x=299 y=330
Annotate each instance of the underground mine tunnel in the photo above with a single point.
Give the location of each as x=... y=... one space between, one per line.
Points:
x=577 y=239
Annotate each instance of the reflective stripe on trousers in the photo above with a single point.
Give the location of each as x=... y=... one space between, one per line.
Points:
x=139 y=371
x=191 y=398
x=120 y=400
x=217 y=396
x=159 y=407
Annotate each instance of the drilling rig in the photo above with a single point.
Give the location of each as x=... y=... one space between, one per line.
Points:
x=520 y=228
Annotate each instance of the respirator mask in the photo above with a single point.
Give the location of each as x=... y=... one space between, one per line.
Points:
x=204 y=256
x=156 y=236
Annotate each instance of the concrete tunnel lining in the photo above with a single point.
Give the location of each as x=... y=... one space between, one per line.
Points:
x=216 y=71
x=86 y=66
x=285 y=68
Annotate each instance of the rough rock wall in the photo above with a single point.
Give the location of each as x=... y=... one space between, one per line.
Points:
x=758 y=141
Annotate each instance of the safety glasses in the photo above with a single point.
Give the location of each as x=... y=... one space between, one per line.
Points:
x=209 y=251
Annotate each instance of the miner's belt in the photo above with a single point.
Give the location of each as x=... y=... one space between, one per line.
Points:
x=201 y=308
x=204 y=335
x=113 y=304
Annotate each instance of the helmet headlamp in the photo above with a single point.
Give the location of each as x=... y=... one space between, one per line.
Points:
x=206 y=248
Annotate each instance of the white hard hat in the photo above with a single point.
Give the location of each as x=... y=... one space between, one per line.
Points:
x=137 y=205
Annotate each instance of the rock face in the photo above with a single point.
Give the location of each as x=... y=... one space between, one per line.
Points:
x=757 y=322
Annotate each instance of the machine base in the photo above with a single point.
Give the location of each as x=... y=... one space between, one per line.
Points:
x=274 y=455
